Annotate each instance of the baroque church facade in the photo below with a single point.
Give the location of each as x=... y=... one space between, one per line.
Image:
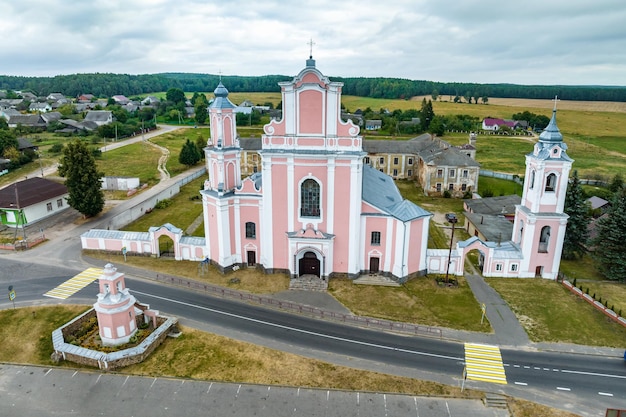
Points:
x=315 y=207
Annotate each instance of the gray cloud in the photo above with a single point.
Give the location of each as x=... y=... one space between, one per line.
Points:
x=530 y=42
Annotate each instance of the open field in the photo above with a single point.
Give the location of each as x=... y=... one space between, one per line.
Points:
x=227 y=360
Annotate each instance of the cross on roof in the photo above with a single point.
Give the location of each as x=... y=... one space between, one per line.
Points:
x=311 y=43
x=220 y=73
x=555 y=99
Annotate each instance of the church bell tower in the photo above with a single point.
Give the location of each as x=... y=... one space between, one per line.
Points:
x=539 y=227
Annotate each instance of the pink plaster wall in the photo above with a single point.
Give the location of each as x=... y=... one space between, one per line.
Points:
x=415 y=246
x=279 y=214
x=311 y=107
x=375 y=224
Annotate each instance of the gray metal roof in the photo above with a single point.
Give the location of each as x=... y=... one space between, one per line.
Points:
x=221 y=100
x=116 y=234
x=494 y=205
x=493 y=228
x=193 y=240
x=250 y=144
x=380 y=191
x=551 y=134
x=98 y=115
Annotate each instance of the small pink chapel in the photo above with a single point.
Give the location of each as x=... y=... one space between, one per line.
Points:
x=315 y=208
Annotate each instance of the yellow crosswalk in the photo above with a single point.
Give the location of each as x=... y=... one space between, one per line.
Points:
x=75 y=284
x=484 y=363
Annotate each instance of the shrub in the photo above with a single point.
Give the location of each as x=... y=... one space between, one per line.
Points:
x=163 y=204
x=56 y=148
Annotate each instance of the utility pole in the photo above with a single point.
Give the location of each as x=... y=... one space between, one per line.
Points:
x=452 y=219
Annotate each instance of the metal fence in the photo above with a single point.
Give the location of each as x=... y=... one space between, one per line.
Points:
x=314 y=312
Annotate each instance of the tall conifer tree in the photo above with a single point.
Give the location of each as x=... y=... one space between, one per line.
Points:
x=576 y=232
x=82 y=179
x=609 y=243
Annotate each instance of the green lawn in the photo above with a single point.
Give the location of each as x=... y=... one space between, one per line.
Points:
x=181 y=213
x=550 y=313
x=135 y=160
x=420 y=301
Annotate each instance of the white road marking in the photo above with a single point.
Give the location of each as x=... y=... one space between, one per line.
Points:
x=563 y=389
x=520 y=383
x=606 y=394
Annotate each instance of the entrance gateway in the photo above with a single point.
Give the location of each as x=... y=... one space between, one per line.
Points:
x=309 y=264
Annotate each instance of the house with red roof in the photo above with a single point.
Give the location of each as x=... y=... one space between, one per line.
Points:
x=493 y=124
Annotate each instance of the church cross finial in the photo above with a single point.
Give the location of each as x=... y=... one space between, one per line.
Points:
x=556 y=99
x=220 y=73
x=311 y=43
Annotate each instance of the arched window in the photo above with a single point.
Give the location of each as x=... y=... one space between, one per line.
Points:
x=250 y=230
x=544 y=239
x=551 y=182
x=521 y=231
x=310 y=198
x=532 y=179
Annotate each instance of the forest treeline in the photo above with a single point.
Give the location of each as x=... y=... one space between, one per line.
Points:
x=107 y=85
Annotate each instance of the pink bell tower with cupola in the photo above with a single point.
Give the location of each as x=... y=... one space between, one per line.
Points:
x=223 y=152
x=115 y=308
x=540 y=222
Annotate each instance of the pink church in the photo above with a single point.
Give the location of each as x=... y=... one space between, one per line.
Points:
x=315 y=208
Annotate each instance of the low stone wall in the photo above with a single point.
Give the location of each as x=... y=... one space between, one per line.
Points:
x=598 y=305
x=102 y=360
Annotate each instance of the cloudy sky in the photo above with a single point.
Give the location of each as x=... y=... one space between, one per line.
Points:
x=484 y=41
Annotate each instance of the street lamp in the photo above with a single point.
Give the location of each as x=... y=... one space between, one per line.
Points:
x=452 y=219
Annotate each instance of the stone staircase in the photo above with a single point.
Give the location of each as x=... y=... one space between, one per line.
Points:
x=495 y=400
x=376 y=279
x=308 y=283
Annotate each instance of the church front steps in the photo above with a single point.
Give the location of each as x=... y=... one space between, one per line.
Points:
x=308 y=283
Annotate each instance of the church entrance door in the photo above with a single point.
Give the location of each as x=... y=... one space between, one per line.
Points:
x=309 y=264
x=374 y=265
x=251 y=258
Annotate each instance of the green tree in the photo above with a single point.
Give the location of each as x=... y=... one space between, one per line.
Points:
x=427 y=113
x=175 y=95
x=616 y=183
x=576 y=231
x=7 y=140
x=201 y=144
x=189 y=154
x=201 y=113
x=437 y=126
x=82 y=179
x=609 y=251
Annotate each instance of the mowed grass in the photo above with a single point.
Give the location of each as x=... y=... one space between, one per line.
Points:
x=419 y=301
x=498 y=186
x=174 y=141
x=550 y=313
x=26 y=333
x=135 y=160
x=182 y=212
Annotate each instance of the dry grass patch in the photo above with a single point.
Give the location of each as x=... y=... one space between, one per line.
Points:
x=523 y=408
x=550 y=313
x=419 y=301
x=26 y=333
x=249 y=279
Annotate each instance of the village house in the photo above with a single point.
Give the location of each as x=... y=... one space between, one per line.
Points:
x=26 y=202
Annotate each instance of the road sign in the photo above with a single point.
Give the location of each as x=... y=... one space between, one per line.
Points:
x=12 y=295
